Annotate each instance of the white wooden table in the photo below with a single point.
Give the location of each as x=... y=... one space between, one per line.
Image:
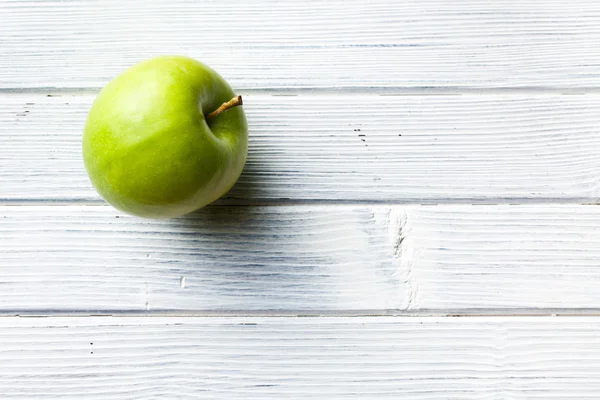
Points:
x=417 y=219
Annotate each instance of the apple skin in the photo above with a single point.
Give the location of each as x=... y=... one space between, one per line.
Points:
x=147 y=146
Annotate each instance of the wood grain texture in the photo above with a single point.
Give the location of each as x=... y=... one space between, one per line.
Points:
x=270 y=44
x=73 y=258
x=341 y=148
x=325 y=220
x=450 y=259
x=300 y=358
x=485 y=257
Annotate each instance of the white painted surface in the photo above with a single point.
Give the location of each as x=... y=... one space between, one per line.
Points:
x=418 y=149
x=300 y=358
x=310 y=44
x=316 y=258
x=315 y=225
x=233 y=258
x=504 y=256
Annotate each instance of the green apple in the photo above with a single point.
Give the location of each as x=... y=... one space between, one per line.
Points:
x=165 y=138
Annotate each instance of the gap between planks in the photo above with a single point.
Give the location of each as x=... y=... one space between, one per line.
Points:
x=342 y=90
x=229 y=202
x=433 y=313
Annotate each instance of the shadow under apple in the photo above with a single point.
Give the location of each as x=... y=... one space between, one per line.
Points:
x=238 y=253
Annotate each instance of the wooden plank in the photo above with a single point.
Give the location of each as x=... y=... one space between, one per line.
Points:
x=269 y=44
x=229 y=258
x=451 y=259
x=308 y=358
x=400 y=149
x=503 y=257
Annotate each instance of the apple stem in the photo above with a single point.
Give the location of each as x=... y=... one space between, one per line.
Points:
x=236 y=101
